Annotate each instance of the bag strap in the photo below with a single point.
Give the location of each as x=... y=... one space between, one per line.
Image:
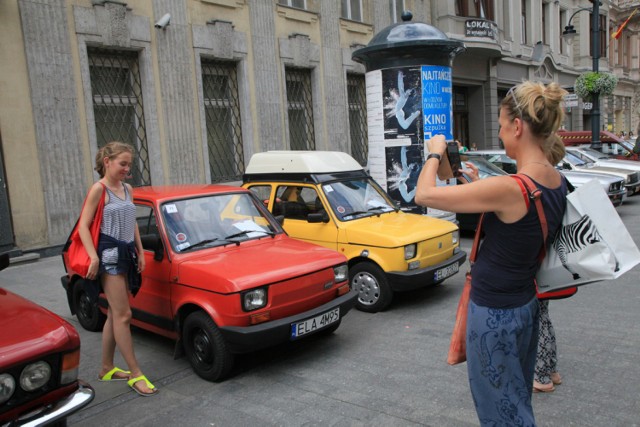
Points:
x=476 y=241
x=100 y=206
x=531 y=192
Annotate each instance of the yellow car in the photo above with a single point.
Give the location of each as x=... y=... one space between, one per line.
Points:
x=326 y=198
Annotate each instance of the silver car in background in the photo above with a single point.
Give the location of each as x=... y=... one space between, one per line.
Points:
x=613 y=185
x=631 y=178
x=589 y=155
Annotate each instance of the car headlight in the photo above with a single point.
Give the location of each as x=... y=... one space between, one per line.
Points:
x=7 y=387
x=627 y=179
x=455 y=237
x=35 y=375
x=254 y=299
x=341 y=273
x=410 y=251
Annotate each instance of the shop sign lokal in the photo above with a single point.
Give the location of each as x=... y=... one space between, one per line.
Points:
x=480 y=28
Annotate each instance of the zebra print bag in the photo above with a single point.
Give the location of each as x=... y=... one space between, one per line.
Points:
x=592 y=244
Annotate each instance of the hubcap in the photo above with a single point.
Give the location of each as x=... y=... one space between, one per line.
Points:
x=85 y=306
x=202 y=347
x=367 y=287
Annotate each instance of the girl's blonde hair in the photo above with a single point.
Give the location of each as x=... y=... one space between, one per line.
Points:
x=541 y=107
x=112 y=150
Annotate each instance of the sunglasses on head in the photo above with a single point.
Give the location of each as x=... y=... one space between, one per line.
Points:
x=512 y=93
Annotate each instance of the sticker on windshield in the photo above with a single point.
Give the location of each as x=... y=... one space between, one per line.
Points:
x=170 y=208
x=341 y=209
x=253 y=229
x=183 y=246
x=181 y=237
x=327 y=188
x=376 y=204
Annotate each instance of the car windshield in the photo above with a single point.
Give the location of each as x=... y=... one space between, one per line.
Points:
x=485 y=168
x=351 y=199
x=595 y=154
x=215 y=220
x=575 y=160
x=622 y=148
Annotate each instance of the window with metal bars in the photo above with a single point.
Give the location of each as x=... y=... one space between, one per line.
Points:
x=222 y=115
x=300 y=109
x=356 y=98
x=118 y=109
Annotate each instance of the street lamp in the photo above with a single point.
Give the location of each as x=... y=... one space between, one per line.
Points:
x=568 y=34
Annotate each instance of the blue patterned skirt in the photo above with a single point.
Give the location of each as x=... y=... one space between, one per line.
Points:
x=501 y=359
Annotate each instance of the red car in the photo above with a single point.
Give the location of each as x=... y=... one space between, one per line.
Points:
x=39 y=361
x=222 y=277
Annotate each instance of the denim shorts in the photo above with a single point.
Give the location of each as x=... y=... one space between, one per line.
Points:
x=113 y=270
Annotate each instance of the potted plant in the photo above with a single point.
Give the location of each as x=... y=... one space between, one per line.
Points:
x=590 y=83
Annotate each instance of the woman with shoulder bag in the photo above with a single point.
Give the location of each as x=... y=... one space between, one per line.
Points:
x=117 y=261
x=503 y=313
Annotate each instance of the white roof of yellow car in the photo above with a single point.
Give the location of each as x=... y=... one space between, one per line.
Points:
x=301 y=162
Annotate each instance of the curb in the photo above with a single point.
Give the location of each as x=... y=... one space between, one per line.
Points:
x=25 y=258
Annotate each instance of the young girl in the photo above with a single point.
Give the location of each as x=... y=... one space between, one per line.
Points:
x=115 y=263
x=502 y=323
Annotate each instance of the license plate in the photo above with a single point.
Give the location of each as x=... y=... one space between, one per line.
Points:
x=445 y=272
x=310 y=325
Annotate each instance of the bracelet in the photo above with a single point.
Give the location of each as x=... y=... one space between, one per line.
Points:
x=435 y=156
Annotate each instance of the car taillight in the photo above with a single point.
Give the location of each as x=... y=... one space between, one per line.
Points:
x=70 y=365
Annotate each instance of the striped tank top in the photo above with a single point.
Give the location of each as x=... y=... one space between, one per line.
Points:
x=118 y=221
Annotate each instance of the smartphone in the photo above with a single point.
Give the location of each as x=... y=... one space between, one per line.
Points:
x=454 y=158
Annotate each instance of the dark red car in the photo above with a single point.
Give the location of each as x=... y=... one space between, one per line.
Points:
x=222 y=277
x=39 y=361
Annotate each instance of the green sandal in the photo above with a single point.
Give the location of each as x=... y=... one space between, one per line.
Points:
x=109 y=376
x=132 y=383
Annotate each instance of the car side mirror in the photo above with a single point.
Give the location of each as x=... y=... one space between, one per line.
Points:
x=317 y=217
x=566 y=165
x=280 y=219
x=153 y=243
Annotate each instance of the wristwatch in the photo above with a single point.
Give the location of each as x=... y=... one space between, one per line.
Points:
x=434 y=156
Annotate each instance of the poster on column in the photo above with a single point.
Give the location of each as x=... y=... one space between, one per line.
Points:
x=436 y=101
x=437 y=115
x=402 y=105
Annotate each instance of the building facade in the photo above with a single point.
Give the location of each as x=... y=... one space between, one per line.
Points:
x=198 y=86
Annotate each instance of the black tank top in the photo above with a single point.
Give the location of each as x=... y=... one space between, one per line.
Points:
x=507 y=261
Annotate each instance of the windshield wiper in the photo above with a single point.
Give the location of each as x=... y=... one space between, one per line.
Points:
x=355 y=213
x=201 y=243
x=244 y=232
x=382 y=209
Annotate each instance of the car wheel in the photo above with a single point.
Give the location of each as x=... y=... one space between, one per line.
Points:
x=205 y=348
x=374 y=293
x=87 y=312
